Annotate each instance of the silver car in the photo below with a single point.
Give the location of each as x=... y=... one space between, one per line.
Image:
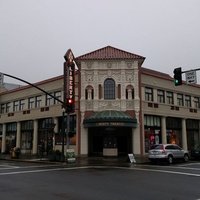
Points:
x=167 y=152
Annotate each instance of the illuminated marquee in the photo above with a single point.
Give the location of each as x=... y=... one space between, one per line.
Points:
x=69 y=82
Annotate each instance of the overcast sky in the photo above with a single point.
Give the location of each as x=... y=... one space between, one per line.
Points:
x=35 y=34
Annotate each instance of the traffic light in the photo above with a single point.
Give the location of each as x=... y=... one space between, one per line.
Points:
x=70 y=104
x=177 y=76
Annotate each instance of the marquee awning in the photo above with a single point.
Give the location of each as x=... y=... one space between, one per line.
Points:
x=110 y=118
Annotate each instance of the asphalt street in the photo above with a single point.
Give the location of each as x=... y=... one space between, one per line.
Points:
x=22 y=181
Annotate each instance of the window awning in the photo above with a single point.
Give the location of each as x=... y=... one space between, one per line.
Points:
x=110 y=118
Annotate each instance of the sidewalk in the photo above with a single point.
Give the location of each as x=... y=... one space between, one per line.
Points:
x=80 y=161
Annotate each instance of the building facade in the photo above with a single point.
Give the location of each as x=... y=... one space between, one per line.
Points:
x=121 y=107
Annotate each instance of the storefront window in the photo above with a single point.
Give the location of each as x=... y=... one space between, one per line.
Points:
x=11 y=131
x=174 y=127
x=152 y=131
x=26 y=135
x=174 y=137
x=46 y=133
x=193 y=136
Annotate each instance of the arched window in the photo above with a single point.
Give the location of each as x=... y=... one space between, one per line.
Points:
x=109 y=89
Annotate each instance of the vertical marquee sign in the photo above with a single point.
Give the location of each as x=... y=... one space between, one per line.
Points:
x=69 y=82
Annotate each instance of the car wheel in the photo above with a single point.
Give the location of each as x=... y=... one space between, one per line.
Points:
x=186 y=158
x=170 y=159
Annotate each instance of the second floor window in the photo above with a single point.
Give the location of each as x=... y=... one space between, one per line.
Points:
x=2 y=108
x=161 y=96
x=31 y=103
x=21 y=104
x=16 y=106
x=180 y=101
x=8 y=106
x=109 y=89
x=148 y=94
x=188 y=100
x=196 y=102
x=38 y=100
x=58 y=96
x=49 y=100
x=169 y=97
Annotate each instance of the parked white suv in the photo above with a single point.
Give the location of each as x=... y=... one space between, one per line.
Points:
x=168 y=152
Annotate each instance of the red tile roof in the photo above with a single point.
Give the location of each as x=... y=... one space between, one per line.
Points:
x=155 y=73
x=110 y=53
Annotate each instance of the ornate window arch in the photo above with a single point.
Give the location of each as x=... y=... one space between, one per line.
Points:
x=109 y=89
x=89 y=92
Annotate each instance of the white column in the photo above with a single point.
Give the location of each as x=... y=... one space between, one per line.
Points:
x=163 y=130
x=137 y=140
x=83 y=138
x=18 y=139
x=184 y=135
x=3 y=146
x=35 y=136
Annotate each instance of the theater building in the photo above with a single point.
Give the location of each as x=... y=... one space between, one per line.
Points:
x=121 y=107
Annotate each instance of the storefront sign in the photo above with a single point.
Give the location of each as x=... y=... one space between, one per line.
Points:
x=110 y=124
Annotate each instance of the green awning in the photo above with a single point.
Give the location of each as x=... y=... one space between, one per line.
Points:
x=110 y=118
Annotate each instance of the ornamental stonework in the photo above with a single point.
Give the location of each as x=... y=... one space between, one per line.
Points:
x=129 y=76
x=89 y=76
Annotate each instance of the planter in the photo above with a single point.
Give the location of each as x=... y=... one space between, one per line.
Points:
x=70 y=156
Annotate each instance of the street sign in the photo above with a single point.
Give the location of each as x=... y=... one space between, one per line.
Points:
x=1 y=79
x=191 y=77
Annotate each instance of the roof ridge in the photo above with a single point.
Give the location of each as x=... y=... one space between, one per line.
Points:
x=109 y=52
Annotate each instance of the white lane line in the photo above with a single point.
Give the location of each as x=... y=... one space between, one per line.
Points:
x=41 y=170
x=179 y=167
x=195 y=163
x=36 y=166
x=93 y=167
x=8 y=167
x=5 y=167
x=166 y=171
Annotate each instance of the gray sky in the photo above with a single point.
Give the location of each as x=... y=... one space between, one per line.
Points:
x=35 y=34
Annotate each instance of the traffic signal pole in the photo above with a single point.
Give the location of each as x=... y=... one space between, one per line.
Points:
x=191 y=70
x=33 y=85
